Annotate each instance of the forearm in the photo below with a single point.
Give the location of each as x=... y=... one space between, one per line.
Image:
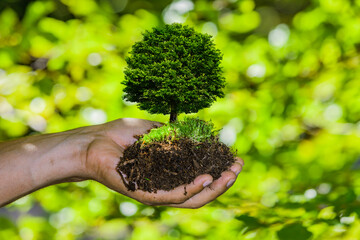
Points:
x=34 y=162
x=93 y=152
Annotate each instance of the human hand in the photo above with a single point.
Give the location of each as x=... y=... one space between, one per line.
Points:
x=110 y=141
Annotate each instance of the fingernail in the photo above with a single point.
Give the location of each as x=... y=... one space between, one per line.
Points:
x=237 y=173
x=207 y=183
x=230 y=183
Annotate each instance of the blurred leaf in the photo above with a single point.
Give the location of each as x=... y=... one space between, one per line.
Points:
x=294 y=231
x=250 y=222
x=6 y=224
x=8 y=20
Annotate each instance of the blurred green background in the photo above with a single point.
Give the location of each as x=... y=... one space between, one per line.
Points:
x=292 y=111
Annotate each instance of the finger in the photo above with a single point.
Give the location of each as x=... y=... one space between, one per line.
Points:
x=157 y=124
x=236 y=168
x=176 y=196
x=210 y=193
x=240 y=161
x=147 y=125
x=140 y=127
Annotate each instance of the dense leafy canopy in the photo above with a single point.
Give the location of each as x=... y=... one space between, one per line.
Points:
x=291 y=109
x=174 y=70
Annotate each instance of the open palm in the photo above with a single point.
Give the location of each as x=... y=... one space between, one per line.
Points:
x=105 y=150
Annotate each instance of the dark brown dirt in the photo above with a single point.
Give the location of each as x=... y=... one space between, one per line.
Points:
x=163 y=165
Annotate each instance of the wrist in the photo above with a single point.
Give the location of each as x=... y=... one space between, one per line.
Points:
x=34 y=162
x=63 y=157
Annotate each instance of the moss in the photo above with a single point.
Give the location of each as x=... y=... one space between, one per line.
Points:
x=191 y=128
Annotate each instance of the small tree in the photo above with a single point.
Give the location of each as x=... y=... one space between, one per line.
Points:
x=173 y=70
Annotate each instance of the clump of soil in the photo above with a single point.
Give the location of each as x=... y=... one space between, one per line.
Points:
x=166 y=165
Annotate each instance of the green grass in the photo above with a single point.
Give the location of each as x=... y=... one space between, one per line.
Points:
x=192 y=128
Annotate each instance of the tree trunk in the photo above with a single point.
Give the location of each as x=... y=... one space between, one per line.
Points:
x=173 y=113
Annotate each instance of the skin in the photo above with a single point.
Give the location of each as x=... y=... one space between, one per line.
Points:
x=92 y=152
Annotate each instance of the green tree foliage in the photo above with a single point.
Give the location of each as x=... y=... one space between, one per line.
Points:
x=173 y=70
